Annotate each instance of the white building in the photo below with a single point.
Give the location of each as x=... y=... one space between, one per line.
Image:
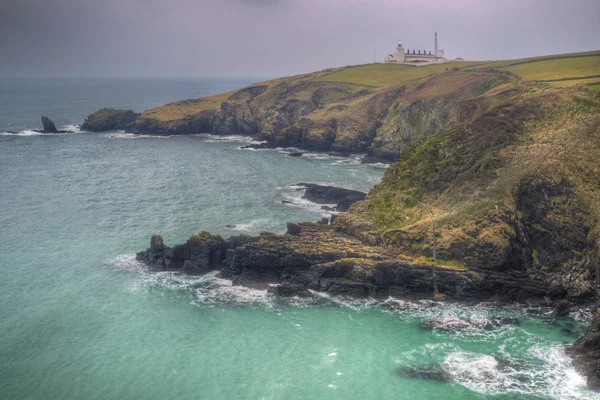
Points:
x=416 y=56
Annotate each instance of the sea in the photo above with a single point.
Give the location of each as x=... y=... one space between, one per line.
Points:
x=81 y=319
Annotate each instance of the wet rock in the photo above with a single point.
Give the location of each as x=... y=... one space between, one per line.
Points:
x=287 y=202
x=293 y=229
x=156 y=243
x=562 y=309
x=230 y=226
x=289 y=290
x=586 y=353
x=343 y=198
x=48 y=125
x=295 y=154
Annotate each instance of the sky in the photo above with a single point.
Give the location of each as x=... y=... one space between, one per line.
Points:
x=271 y=38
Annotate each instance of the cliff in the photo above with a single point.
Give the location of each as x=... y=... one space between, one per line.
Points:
x=381 y=109
x=495 y=192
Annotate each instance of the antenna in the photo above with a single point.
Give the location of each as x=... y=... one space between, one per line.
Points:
x=435 y=44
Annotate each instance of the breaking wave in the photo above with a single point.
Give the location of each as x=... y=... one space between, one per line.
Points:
x=228 y=139
x=31 y=132
x=126 y=135
x=540 y=369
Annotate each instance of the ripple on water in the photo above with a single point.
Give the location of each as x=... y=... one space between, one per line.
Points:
x=515 y=362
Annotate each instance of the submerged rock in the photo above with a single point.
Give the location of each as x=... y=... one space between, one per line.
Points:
x=428 y=372
x=295 y=154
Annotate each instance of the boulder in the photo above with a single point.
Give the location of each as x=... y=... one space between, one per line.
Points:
x=293 y=228
x=156 y=243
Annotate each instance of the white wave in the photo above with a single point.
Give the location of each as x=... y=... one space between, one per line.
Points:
x=256 y=225
x=211 y=290
x=352 y=303
x=282 y=150
x=293 y=195
x=552 y=377
x=229 y=138
x=72 y=127
x=477 y=372
x=379 y=165
x=30 y=132
x=127 y=135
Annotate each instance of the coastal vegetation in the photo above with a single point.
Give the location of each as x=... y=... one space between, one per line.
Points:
x=494 y=189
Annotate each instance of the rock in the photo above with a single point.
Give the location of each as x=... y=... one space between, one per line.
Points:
x=327 y=208
x=295 y=154
x=428 y=372
x=287 y=202
x=586 y=353
x=321 y=194
x=230 y=226
x=289 y=290
x=109 y=119
x=562 y=309
x=339 y=154
x=259 y=146
x=156 y=243
x=48 y=125
x=451 y=324
x=557 y=292
x=293 y=229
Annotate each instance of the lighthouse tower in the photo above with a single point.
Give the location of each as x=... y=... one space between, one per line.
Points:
x=399 y=53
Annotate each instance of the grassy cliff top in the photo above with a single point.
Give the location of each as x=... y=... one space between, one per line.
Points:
x=558 y=70
x=498 y=159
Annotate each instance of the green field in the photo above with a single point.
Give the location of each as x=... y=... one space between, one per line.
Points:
x=378 y=75
x=559 y=68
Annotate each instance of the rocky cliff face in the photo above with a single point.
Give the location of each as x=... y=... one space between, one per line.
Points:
x=317 y=257
x=586 y=353
x=322 y=116
x=109 y=119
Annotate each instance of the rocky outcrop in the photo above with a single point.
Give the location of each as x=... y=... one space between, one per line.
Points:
x=200 y=254
x=48 y=125
x=586 y=353
x=322 y=194
x=109 y=119
x=317 y=257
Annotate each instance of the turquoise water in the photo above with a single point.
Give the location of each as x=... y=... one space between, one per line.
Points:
x=80 y=318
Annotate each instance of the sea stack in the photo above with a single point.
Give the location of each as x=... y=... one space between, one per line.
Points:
x=49 y=126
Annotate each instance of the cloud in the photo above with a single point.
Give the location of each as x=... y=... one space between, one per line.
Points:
x=275 y=37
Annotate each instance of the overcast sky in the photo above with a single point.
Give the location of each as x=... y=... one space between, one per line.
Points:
x=268 y=38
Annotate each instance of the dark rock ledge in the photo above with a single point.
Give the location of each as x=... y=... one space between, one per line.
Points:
x=317 y=257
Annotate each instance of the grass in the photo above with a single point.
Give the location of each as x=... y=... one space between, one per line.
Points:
x=378 y=75
x=560 y=68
